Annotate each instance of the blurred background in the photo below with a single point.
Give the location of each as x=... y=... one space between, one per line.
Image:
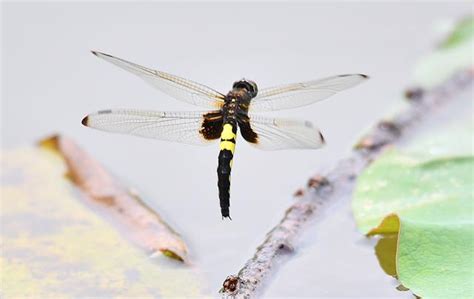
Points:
x=50 y=81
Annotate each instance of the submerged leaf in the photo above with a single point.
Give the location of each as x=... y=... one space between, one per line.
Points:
x=53 y=246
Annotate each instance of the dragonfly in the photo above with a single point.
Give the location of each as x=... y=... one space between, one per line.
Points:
x=226 y=114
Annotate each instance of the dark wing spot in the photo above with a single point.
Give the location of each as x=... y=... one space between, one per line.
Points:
x=85 y=120
x=322 y=138
x=246 y=130
x=347 y=75
x=211 y=127
x=97 y=53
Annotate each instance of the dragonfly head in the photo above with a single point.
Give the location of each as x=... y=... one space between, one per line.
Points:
x=248 y=85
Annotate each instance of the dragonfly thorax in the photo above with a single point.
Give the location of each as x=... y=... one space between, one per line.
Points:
x=237 y=101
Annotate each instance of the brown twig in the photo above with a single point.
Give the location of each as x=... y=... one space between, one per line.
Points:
x=124 y=208
x=337 y=184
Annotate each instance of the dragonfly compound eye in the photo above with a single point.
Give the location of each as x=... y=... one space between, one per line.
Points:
x=250 y=86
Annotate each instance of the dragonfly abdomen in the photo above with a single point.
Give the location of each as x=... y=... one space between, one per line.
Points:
x=226 y=154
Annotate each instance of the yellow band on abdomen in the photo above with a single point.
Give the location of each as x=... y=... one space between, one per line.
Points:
x=228 y=146
x=226 y=136
x=227 y=132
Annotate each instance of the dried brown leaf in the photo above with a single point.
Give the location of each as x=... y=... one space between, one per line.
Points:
x=125 y=209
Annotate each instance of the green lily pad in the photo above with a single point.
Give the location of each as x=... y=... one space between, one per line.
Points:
x=463 y=31
x=428 y=200
x=453 y=55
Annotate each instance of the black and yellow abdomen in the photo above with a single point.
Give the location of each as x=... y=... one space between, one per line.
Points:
x=226 y=154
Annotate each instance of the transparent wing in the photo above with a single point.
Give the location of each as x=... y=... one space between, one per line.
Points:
x=280 y=133
x=301 y=94
x=184 y=127
x=177 y=87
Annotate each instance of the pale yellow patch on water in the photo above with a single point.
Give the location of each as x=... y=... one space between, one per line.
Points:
x=55 y=246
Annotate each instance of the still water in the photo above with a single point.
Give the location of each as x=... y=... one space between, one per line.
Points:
x=50 y=81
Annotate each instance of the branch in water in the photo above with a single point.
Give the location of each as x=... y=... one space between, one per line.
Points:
x=337 y=184
x=125 y=209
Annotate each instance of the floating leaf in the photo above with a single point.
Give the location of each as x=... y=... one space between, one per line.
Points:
x=454 y=54
x=464 y=31
x=429 y=202
x=53 y=246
